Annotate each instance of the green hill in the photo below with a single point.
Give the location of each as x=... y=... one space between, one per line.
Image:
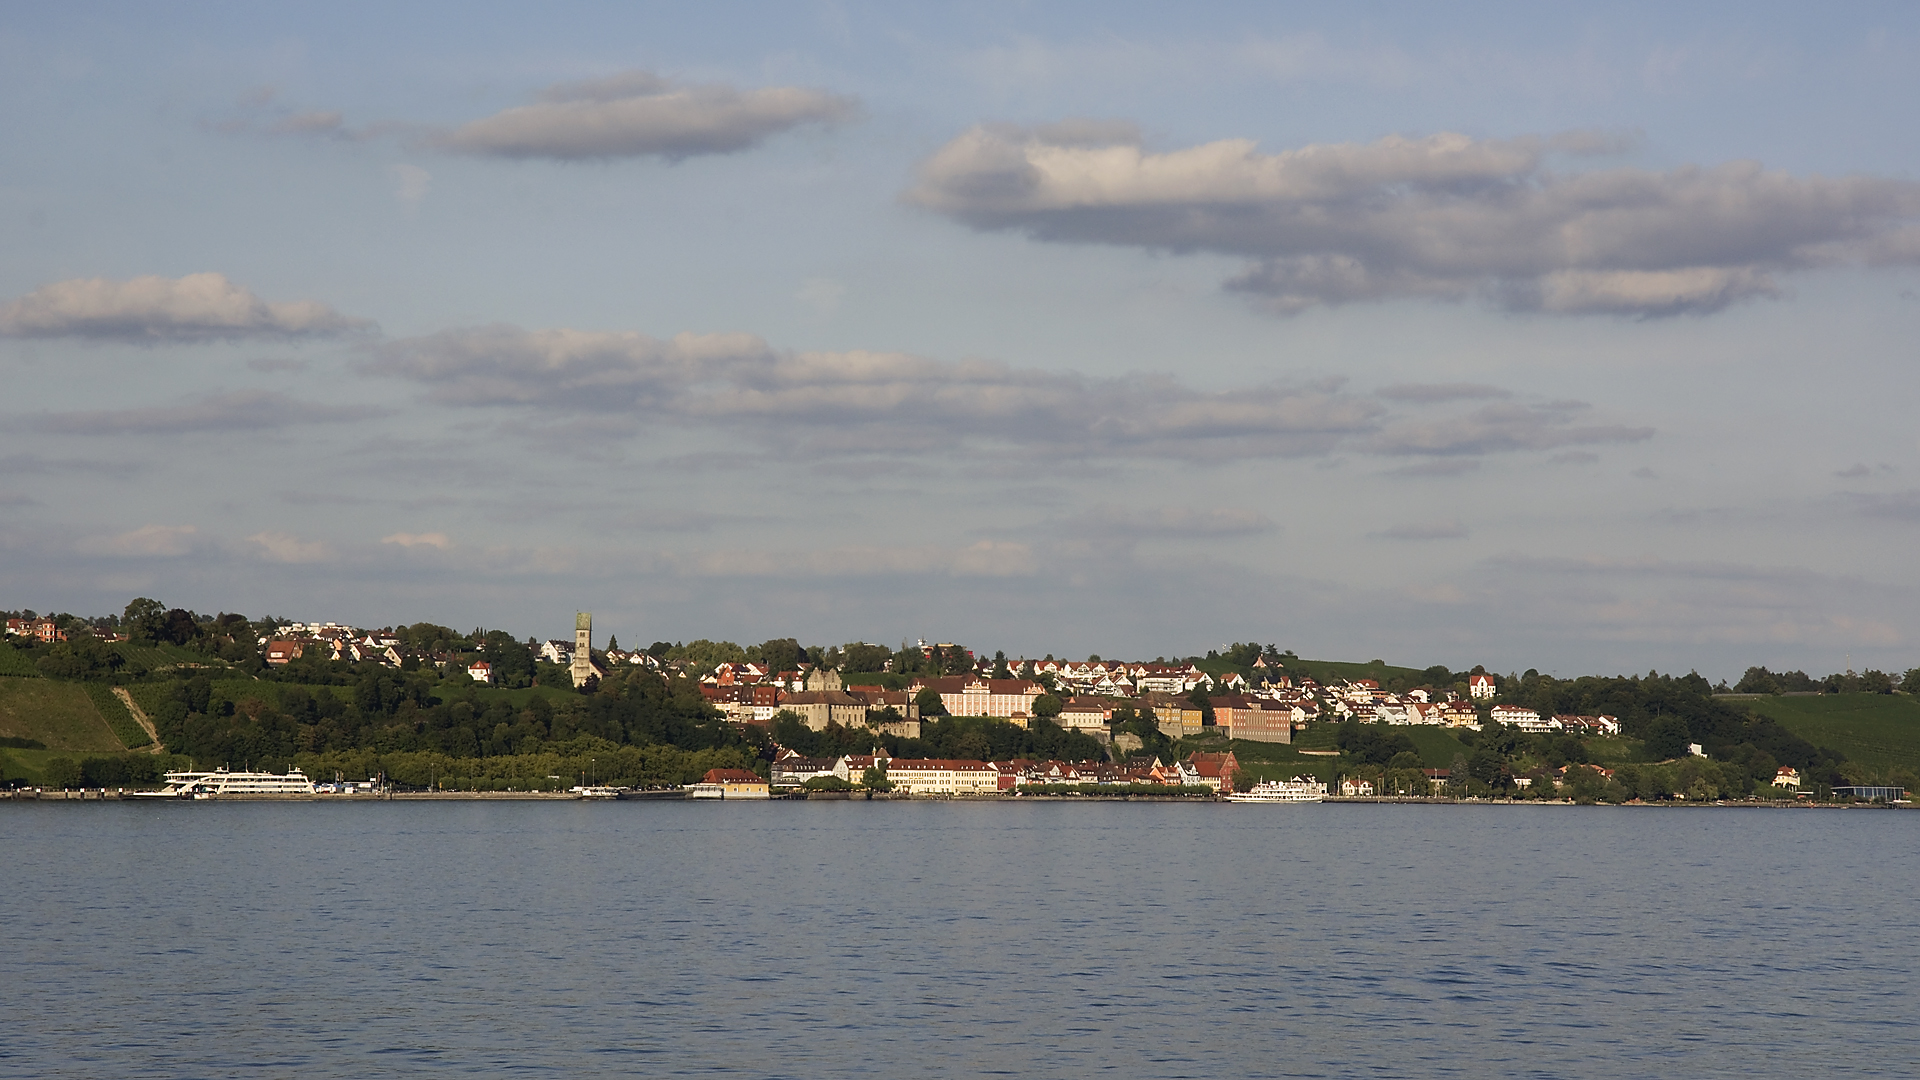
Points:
x=1877 y=732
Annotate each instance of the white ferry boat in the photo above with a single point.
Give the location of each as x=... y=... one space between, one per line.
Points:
x=595 y=791
x=1295 y=790
x=212 y=785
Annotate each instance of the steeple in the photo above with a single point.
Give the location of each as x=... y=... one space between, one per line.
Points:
x=583 y=667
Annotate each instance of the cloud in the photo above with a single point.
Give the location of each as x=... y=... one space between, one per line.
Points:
x=1443 y=217
x=285 y=547
x=194 y=308
x=1428 y=393
x=831 y=403
x=1425 y=530
x=639 y=114
x=240 y=410
x=310 y=123
x=164 y=541
x=275 y=365
x=1168 y=522
x=1575 y=457
x=412 y=183
x=1439 y=467
x=434 y=540
x=1894 y=506
x=987 y=558
x=1502 y=427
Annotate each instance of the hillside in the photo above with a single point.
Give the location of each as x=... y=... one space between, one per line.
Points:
x=56 y=715
x=1877 y=732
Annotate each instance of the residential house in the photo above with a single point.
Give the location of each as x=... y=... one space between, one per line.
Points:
x=1353 y=787
x=1213 y=770
x=480 y=671
x=283 y=651
x=1523 y=718
x=791 y=770
x=1480 y=687
x=1788 y=777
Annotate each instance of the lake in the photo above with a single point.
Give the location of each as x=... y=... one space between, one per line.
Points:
x=889 y=939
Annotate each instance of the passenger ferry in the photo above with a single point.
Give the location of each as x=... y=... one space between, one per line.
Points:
x=1283 y=791
x=212 y=785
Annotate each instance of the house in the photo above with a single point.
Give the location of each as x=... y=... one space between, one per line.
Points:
x=729 y=784
x=1438 y=778
x=283 y=651
x=1787 y=777
x=942 y=776
x=556 y=652
x=1212 y=770
x=1091 y=715
x=792 y=770
x=1523 y=718
x=480 y=671
x=1480 y=687
x=1356 y=787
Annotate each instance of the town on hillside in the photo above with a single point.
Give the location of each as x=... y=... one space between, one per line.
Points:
x=927 y=718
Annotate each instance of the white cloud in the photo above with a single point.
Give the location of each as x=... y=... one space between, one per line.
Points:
x=197 y=307
x=638 y=114
x=1444 y=217
x=1506 y=426
x=285 y=547
x=434 y=540
x=241 y=410
x=164 y=541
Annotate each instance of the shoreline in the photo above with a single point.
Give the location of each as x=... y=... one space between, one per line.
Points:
x=96 y=795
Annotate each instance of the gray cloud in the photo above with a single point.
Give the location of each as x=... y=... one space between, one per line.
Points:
x=1429 y=530
x=1502 y=427
x=639 y=114
x=1424 y=393
x=1895 y=506
x=1171 y=522
x=240 y=410
x=868 y=402
x=1442 y=217
x=1439 y=467
x=152 y=309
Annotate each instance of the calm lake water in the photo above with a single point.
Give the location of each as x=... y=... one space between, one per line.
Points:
x=911 y=939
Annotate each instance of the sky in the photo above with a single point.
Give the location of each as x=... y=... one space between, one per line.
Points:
x=1534 y=336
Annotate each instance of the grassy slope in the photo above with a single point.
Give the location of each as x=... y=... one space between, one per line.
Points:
x=59 y=714
x=1876 y=731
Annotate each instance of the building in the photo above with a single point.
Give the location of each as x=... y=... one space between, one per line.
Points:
x=283 y=651
x=583 y=668
x=943 y=776
x=1523 y=718
x=962 y=695
x=792 y=770
x=729 y=784
x=1254 y=719
x=1787 y=777
x=1212 y=770
x=1480 y=687
x=480 y=671
x=822 y=707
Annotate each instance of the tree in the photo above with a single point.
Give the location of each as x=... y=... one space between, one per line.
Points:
x=61 y=772
x=1667 y=738
x=929 y=703
x=875 y=778
x=143 y=620
x=861 y=657
x=1047 y=705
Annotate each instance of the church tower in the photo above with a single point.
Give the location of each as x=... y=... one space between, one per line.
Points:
x=583 y=668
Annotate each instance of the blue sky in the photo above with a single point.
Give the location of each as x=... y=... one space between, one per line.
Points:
x=1499 y=334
